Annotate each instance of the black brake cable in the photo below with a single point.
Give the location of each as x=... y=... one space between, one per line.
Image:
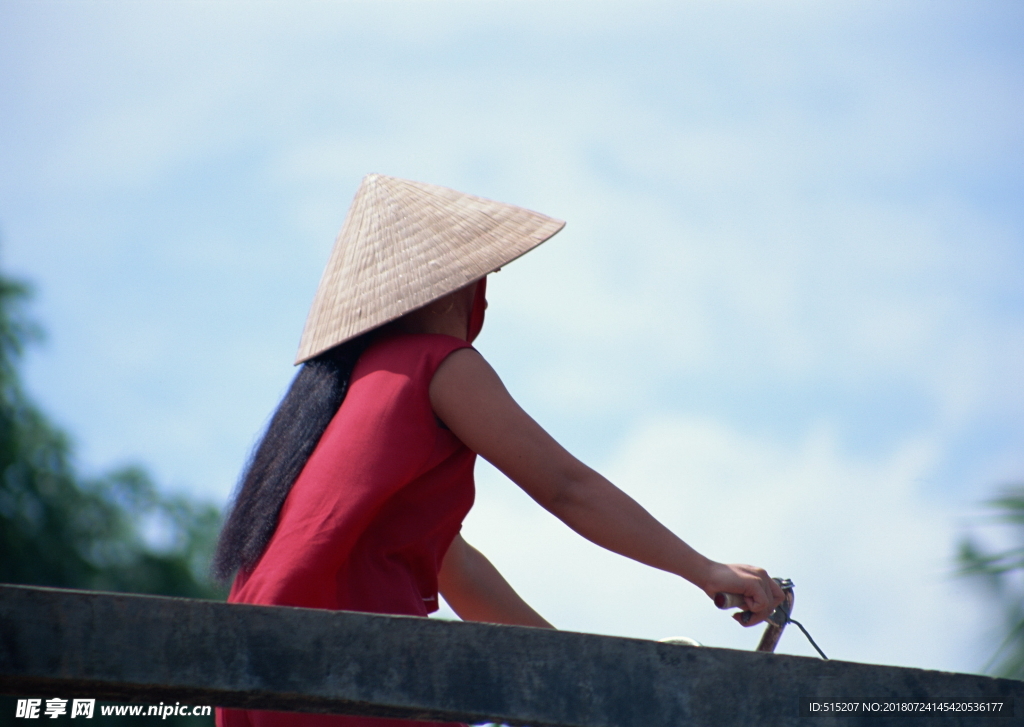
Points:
x=802 y=629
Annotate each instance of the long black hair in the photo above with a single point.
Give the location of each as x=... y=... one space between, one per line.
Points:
x=312 y=400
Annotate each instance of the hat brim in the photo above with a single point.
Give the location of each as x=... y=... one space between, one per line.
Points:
x=405 y=244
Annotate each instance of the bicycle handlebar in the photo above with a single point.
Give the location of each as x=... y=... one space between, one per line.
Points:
x=776 y=622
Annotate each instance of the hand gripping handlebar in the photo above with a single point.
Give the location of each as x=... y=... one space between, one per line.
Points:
x=776 y=622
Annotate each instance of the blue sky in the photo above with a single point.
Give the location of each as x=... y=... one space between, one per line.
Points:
x=786 y=314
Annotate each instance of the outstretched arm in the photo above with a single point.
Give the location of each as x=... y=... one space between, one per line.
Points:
x=469 y=397
x=476 y=591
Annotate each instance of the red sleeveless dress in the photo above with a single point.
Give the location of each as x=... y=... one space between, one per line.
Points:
x=372 y=514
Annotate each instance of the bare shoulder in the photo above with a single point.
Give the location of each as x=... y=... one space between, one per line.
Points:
x=465 y=384
x=474 y=404
x=459 y=364
x=470 y=399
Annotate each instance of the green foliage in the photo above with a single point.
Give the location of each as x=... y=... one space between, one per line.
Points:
x=113 y=532
x=58 y=528
x=1002 y=572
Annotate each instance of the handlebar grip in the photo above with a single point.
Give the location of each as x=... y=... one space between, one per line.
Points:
x=729 y=600
x=734 y=600
x=778 y=619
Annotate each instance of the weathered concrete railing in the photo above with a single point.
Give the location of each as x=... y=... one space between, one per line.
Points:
x=56 y=642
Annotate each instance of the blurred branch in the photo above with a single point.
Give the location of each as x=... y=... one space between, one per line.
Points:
x=997 y=570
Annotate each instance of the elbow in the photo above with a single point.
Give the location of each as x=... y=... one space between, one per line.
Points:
x=571 y=491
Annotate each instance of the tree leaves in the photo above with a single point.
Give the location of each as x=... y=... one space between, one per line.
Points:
x=58 y=528
x=1001 y=571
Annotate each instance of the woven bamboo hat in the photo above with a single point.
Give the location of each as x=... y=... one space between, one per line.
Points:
x=405 y=244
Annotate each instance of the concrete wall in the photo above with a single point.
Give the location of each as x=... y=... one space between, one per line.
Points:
x=56 y=642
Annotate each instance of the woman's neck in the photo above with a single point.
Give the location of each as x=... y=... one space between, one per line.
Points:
x=448 y=315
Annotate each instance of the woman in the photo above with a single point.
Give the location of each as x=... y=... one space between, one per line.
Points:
x=355 y=495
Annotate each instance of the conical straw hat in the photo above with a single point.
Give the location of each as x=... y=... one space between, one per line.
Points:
x=405 y=244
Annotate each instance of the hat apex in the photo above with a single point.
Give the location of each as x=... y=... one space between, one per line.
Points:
x=405 y=244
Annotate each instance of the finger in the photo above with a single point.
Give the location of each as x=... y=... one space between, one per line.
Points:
x=748 y=618
x=758 y=598
x=778 y=595
x=756 y=604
